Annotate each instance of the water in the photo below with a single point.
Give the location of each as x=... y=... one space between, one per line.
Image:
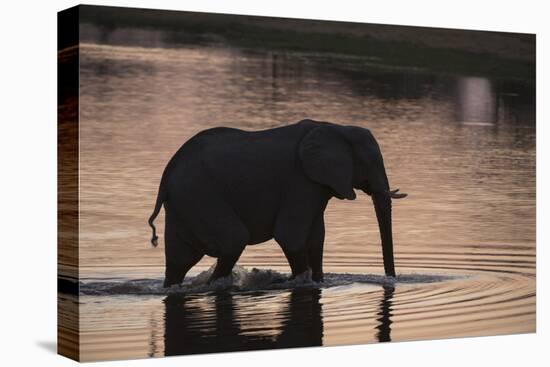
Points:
x=462 y=147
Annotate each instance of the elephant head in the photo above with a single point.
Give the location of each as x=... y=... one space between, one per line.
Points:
x=344 y=158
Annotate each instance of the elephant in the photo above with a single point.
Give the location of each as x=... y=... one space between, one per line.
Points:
x=227 y=188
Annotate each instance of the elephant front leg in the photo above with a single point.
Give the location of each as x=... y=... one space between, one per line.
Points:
x=315 y=243
x=293 y=241
x=297 y=259
x=300 y=232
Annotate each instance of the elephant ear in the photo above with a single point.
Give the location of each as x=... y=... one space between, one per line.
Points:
x=327 y=159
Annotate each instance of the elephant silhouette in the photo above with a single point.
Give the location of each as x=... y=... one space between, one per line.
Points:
x=226 y=188
x=188 y=332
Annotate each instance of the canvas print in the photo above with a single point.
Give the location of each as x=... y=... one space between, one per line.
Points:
x=236 y=183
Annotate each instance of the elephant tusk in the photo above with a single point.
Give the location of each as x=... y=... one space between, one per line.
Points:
x=394 y=195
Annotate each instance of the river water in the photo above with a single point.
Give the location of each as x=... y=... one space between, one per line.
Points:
x=462 y=147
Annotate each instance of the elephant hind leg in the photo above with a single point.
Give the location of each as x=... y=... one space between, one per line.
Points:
x=176 y=271
x=225 y=237
x=180 y=255
x=224 y=265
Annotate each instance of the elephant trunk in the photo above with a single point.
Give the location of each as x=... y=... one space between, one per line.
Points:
x=382 y=205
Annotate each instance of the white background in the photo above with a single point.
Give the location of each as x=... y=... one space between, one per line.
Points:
x=28 y=181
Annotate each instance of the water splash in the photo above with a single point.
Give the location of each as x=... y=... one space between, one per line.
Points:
x=242 y=279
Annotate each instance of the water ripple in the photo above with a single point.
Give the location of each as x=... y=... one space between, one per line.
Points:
x=242 y=279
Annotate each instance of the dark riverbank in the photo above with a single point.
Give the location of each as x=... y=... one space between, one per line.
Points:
x=478 y=53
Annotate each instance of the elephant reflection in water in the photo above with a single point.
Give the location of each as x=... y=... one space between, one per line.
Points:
x=189 y=330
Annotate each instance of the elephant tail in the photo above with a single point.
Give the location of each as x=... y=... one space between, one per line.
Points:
x=161 y=198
